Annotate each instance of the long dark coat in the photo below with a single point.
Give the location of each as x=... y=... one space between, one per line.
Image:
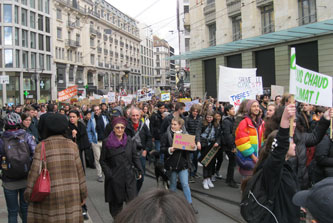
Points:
x=120 y=182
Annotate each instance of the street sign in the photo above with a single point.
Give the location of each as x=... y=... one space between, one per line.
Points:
x=26 y=93
x=4 y=79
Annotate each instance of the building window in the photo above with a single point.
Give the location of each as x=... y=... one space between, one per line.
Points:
x=25 y=38
x=33 y=40
x=33 y=60
x=7 y=13
x=41 y=61
x=40 y=5
x=236 y=28
x=40 y=22
x=40 y=42
x=48 y=62
x=17 y=36
x=307 y=11
x=78 y=39
x=47 y=6
x=59 y=33
x=212 y=34
x=48 y=43
x=32 y=4
x=32 y=20
x=24 y=2
x=16 y=14
x=8 y=35
x=92 y=59
x=267 y=19
x=59 y=14
x=25 y=59
x=186 y=9
x=47 y=24
x=92 y=42
x=17 y=58
x=24 y=17
x=8 y=58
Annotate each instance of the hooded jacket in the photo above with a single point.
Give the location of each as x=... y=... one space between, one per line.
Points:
x=91 y=128
x=227 y=133
x=155 y=125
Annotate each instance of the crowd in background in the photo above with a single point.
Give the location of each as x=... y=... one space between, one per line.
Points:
x=117 y=139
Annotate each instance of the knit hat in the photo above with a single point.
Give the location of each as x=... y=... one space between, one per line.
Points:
x=118 y=120
x=56 y=123
x=248 y=106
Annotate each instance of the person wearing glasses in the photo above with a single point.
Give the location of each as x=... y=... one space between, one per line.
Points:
x=96 y=133
x=121 y=166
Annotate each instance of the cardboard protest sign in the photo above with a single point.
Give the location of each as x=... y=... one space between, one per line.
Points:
x=237 y=99
x=112 y=97
x=233 y=81
x=184 y=100
x=67 y=93
x=165 y=96
x=183 y=141
x=95 y=102
x=145 y=94
x=276 y=90
x=309 y=86
x=188 y=105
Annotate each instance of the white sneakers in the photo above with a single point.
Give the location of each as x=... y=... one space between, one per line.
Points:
x=207 y=183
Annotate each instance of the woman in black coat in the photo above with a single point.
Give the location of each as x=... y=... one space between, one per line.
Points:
x=121 y=166
x=324 y=159
x=207 y=137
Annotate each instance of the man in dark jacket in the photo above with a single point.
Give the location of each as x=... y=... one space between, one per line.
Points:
x=155 y=125
x=139 y=133
x=41 y=126
x=179 y=110
x=324 y=159
x=191 y=124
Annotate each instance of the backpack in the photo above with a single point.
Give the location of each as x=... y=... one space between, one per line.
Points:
x=17 y=153
x=255 y=204
x=137 y=137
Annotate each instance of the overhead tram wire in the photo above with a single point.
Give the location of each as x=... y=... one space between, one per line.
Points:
x=146 y=9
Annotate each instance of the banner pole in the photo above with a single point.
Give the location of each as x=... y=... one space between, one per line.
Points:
x=331 y=128
x=291 y=124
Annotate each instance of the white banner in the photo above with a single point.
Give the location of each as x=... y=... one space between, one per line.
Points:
x=233 y=81
x=112 y=97
x=309 y=86
x=276 y=90
x=257 y=88
x=237 y=99
x=189 y=104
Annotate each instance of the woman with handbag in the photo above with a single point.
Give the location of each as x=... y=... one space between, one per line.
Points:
x=78 y=133
x=121 y=166
x=207 y=137
x=68 y=189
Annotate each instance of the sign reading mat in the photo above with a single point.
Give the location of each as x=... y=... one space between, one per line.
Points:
x=309 y=86
x=183 y=141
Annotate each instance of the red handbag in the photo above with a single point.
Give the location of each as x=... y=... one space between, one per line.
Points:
x=42 y=187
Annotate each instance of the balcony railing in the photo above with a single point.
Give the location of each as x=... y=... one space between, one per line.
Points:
x=73 y=5
x=105 y=37
x=71 y=25
x=100 y=64
x=209 y=8
x=93 y=31
x=106 y=51
x=72 y=43
x=233 y=7
x=268 y=29
x=308 y=19
x=236 y=36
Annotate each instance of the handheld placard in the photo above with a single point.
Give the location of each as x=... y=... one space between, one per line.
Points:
x=331 y=128
x=291 y=125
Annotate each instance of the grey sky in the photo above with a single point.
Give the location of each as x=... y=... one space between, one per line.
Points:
x=161 y=10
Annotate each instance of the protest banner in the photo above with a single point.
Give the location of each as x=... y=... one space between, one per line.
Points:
x=276 y=90
x=112 y=97
x=165 y=96
x=309 y=86
x=188 y=105
x=257 y=87
x=144 y=94
x=237 y=99
x=183 y=141
x=184 y=100
x=233 y=81
x=67 y=93
x=127 y=99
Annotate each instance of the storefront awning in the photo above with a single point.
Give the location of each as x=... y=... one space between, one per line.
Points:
x=296 y=33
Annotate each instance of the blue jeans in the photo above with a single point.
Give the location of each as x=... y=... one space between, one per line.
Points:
x=183 y=177
x=14 y=206
x=140 y=182
x=158 y=148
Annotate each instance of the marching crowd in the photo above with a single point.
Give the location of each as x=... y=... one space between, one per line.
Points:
x=117 y=140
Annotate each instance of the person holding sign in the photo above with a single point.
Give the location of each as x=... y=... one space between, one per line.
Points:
x=207 y=138
x=176 y=160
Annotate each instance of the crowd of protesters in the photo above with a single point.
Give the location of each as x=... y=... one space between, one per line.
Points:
x=117 y=139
